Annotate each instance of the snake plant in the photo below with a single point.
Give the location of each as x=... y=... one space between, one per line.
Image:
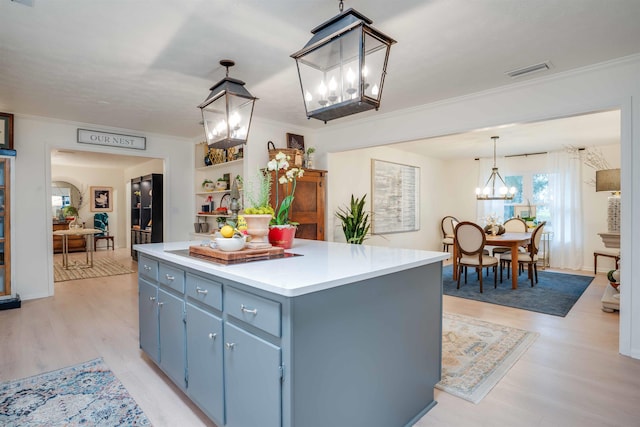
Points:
x=355 y=221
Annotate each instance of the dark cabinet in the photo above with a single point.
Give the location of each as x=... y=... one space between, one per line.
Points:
x=146 y=210
x=308 y=203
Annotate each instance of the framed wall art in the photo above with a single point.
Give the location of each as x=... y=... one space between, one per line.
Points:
x=6 y=131
x=101 y=199
x=295 y=141
x=396 y=203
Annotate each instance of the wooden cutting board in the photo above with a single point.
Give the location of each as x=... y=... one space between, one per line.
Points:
x=244 y=254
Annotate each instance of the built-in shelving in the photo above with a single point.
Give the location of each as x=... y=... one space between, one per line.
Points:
x=204 y=198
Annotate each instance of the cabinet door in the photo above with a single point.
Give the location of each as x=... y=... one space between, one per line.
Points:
x=252 y=380
x=204 y=361
x=308 y=204
x=148 y=318
x=172 y=336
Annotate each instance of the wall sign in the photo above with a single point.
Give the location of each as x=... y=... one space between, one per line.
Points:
x=95 y=137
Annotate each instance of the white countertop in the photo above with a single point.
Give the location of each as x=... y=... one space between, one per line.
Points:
x=324 y=265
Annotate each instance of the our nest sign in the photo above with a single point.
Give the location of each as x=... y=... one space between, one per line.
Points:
x=95 y=137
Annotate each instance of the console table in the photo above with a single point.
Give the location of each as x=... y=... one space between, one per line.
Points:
x=87 y=233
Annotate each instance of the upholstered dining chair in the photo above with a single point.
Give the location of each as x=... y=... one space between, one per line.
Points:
x=447 y=225
x=470 y=240
x=530 y=258
x=512 y=225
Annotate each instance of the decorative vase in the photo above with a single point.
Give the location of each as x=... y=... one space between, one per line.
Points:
x=282 y=235
x=75 y=223
x=258 y=227
x=207 y=160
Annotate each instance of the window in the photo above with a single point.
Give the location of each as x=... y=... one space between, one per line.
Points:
x=530 y=189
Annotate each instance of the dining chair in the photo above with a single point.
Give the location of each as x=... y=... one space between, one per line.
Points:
x=530 y=258
x=512 y=225
x=470 y=240
x=447 y=225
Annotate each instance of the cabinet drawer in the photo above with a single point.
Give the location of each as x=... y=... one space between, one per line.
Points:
x=148 y=268
x=254 y=310
x=206 y=291
x=171 y=276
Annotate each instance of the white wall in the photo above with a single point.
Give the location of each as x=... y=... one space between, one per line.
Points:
x=34 y=138
x=350 y=173
x=613 y=85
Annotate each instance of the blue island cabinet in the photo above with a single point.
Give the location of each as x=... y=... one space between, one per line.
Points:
x=364 y=353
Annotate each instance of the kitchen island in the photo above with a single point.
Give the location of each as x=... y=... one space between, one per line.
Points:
x=330 y=335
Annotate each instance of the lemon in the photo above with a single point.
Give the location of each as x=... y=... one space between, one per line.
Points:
x=227 y=231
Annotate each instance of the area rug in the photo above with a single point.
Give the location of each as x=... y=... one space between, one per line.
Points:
x=87 y=394
x=555 y=293
x=101 y=268
x=477 y=354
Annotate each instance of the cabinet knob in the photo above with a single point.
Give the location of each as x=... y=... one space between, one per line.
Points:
x=201 y=291
x=160 y=304
x=152 y=298
x=146 y=267
x=230 y=345
x=169 y=277
x=212 y=336
x=244 y=309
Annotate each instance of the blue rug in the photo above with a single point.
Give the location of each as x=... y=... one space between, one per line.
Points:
x=555 y=293
x=87 y=394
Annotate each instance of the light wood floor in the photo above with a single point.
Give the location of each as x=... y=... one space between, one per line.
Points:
x=571 y=376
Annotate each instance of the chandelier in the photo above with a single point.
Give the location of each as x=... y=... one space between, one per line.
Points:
x=226 y=113
x=342 y=68
x=495 y=188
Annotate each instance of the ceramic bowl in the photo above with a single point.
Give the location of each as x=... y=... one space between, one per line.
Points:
x=229 y=244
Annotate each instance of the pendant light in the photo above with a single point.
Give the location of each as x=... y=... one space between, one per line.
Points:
x=490 y=191
x=227 y=111
x=342 y=68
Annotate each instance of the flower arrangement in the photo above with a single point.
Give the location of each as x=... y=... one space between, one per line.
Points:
x=493 y=223
x=287 y=177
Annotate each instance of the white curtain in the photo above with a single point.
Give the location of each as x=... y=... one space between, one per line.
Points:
x=565 y=189
x=484 y=208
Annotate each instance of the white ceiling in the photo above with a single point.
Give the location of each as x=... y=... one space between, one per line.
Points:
x=146 y=65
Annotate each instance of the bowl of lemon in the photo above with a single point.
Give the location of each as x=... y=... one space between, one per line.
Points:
x=229 y=239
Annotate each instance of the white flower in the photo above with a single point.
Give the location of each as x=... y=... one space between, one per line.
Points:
x=281 y=156
x=272 y=165
x=283 y=180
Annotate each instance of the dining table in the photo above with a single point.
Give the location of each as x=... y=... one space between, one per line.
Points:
x=510 y=240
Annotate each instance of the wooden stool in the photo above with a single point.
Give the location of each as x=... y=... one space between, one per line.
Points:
x=107 y=238
x=596 y=254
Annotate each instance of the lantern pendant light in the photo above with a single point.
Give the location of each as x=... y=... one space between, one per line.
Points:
x=342 y=68
x=227 y=111
x=490 y=192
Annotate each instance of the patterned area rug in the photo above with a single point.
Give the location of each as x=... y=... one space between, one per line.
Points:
x=555 y=293
x=82 y=395
x=101 y=268
x=477 y=354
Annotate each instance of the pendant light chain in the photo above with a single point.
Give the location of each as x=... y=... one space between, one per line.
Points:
x=341 y=6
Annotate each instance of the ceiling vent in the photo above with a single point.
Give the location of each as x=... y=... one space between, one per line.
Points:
x=543 y=66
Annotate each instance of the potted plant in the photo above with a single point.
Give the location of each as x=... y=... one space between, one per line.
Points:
x=207 y=185
x=282 y=230
x=355 y=222
x=221 y=184
x=258 y=212
x=308 y=157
